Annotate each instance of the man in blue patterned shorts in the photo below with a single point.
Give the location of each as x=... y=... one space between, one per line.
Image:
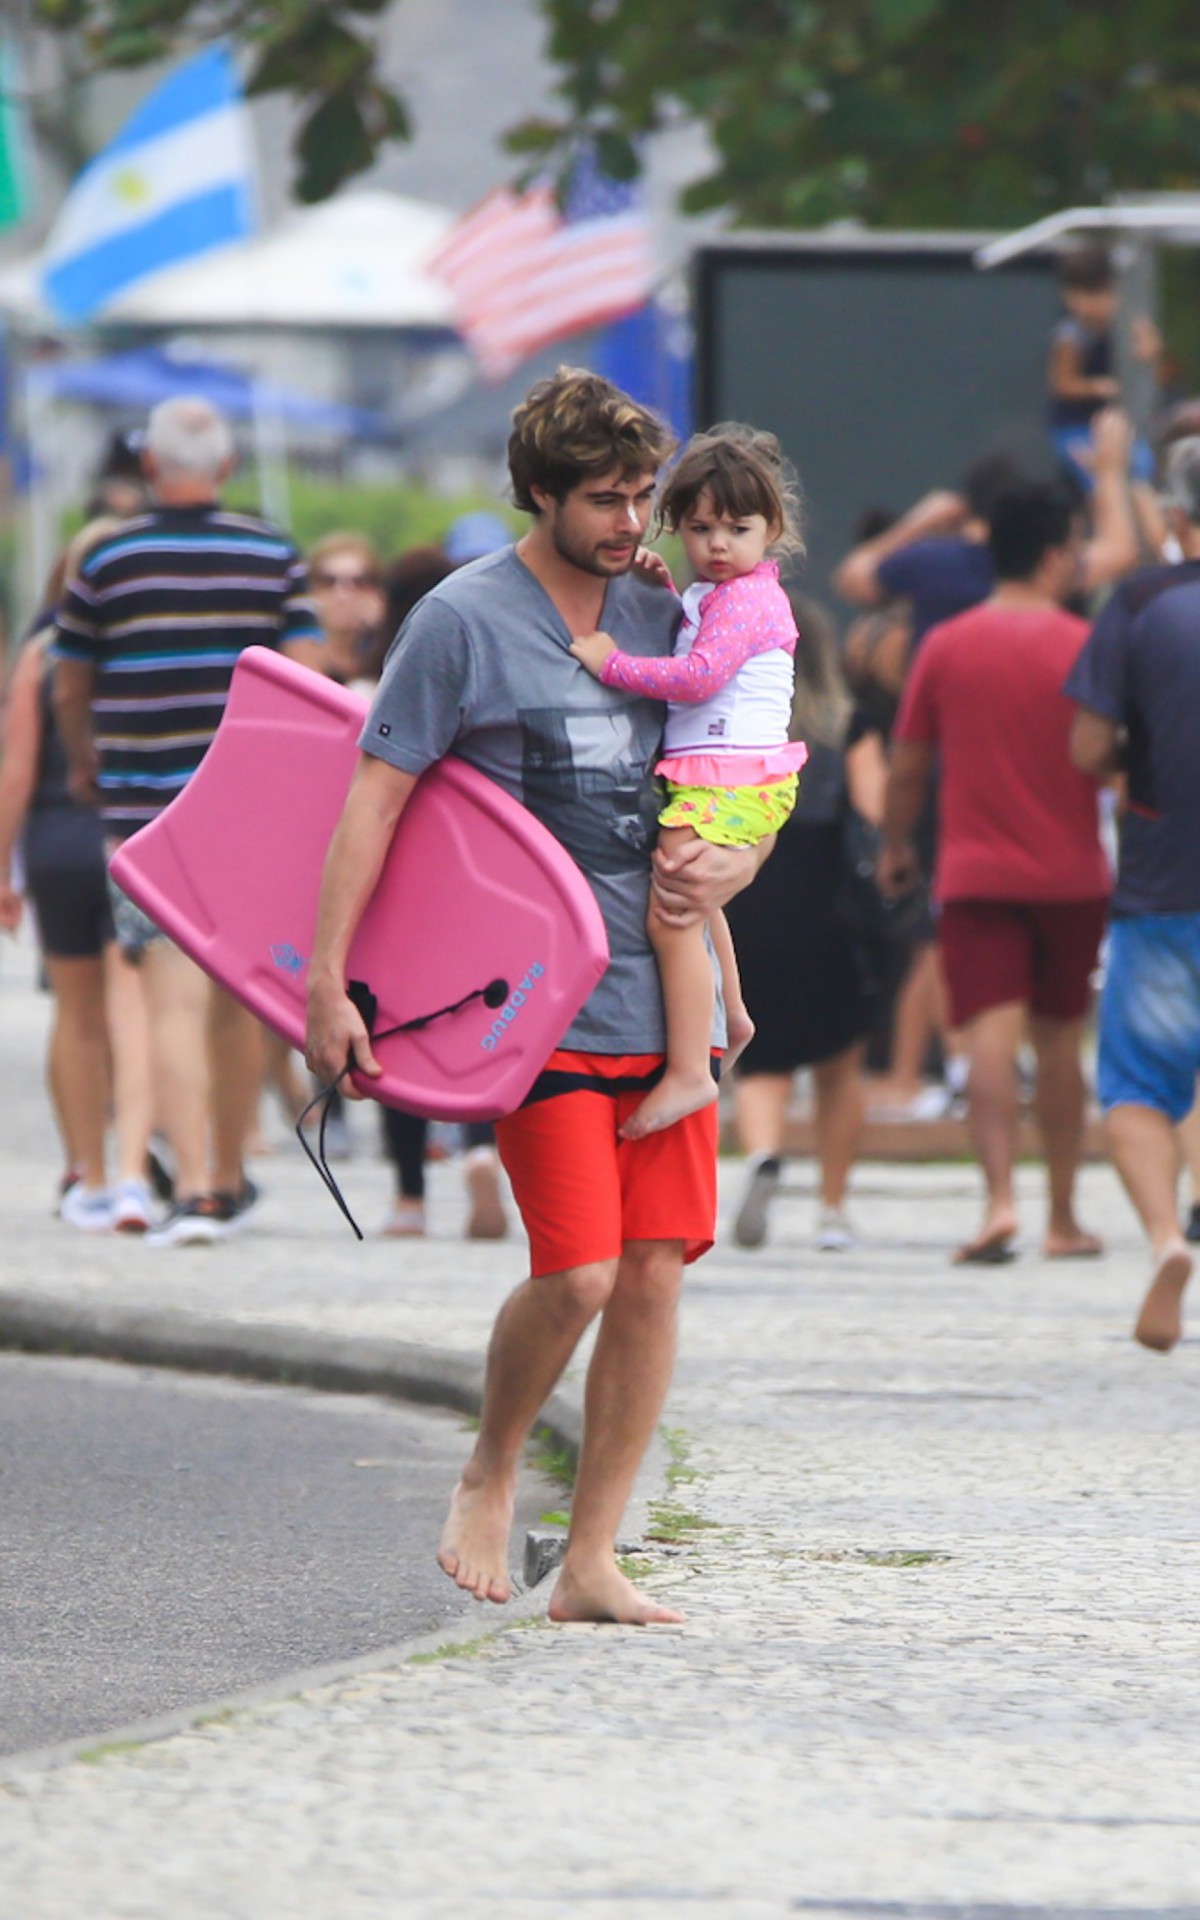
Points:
x=1137 y=684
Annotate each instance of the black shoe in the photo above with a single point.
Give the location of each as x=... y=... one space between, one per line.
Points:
x=238 y=1209
x=750 y=1221
x=1192 y=1230
x=158 y=1173
x=194 y=1223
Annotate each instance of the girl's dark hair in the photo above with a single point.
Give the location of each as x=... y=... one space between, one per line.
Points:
x=743 y=471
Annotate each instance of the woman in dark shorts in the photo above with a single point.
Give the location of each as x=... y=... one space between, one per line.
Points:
x=801 y=974
x=62 y=852
x=62 y=861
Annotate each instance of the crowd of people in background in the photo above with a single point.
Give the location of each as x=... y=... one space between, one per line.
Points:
x=1015 y=672
x=155 y=1074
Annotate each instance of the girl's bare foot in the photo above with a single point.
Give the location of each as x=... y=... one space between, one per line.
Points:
x=602 y=1593
x=675 y=1096
x=474 y=1548
x=1160 y=1323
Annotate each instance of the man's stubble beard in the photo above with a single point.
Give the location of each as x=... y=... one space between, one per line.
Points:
x=584 y=558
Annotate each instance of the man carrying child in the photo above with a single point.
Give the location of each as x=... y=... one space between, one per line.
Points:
x=484 y=671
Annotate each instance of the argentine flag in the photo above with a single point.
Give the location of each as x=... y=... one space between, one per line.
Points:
x=177 y=180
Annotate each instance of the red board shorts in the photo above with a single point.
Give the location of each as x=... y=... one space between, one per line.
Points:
x=1040 y=952
x=581 y=1190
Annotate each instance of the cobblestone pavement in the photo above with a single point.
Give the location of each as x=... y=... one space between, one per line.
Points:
x=935 y=1533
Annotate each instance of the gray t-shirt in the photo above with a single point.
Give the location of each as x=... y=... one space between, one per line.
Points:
x=482 y=669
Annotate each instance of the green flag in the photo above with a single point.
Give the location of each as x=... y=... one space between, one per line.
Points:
x=14 y=168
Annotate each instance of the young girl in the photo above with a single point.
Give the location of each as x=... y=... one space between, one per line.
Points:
x=730 y=771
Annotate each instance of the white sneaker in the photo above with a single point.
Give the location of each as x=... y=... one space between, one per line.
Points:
x=834 y=1232
x=406 y=1221
x=133 y=1207
x=86 y=1208
x=932 y=1103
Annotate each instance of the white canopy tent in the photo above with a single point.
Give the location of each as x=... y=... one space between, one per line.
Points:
x=355 y=261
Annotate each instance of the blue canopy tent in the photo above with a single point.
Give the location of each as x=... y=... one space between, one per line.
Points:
x=133 y=382
x=139 y=379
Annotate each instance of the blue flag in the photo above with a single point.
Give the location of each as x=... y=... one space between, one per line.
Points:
x=177 y=180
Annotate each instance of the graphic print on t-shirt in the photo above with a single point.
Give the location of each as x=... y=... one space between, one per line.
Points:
x=583 y=778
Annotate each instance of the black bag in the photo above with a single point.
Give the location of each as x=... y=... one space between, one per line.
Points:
x=876 y=922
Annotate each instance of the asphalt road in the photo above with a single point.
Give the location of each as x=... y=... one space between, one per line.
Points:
x=166 y=1538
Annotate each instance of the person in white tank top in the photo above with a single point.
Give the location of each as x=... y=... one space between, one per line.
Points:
x=731 y=773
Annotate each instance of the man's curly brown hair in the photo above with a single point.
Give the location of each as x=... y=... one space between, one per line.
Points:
x=574 y=426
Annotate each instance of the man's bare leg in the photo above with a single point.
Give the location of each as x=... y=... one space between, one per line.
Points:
x=760 y=1107
x=536 y=1332
x=914 y=1019
x=1061 y=1102
x=236 y=1046
x=840 y=1100
x=993 y=1038
x=129 y=1044
x=1187 y=1136
x=627 y=1383
x=177 y=1009
x=1146 y=1157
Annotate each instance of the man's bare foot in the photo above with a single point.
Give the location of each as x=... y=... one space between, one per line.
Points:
x=1070 y=1242
x=604 y=1594
x=675 y=1096
x=1160 y=1322
x=992 y=1245
x=474 y=1548
x=739 y=1032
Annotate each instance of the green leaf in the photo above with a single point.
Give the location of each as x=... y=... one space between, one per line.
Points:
x=617 y=156
x=533 y=136
x=332 y=144
x=132 y=49
x=317 y=55
x=60 y=15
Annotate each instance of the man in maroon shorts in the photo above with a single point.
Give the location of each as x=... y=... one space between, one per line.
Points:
x=1022 y=881
x=483 y=669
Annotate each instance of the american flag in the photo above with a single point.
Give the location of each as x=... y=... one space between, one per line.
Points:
x=524 y=272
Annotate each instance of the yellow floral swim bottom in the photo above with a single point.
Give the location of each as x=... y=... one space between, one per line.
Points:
x=731 y=816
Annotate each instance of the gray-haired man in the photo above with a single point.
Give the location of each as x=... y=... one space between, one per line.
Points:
x=149 y=631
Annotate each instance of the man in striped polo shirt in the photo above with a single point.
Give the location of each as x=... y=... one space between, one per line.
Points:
x=148 y=635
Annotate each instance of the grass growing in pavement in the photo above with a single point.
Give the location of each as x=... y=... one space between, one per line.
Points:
x=472 y=1649
x=453 y=1650
x=877 y=1557
x=668 y=1520
x=549 y=1457
x=109 y=1750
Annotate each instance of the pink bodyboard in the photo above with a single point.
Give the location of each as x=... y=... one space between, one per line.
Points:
x=474 y=891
